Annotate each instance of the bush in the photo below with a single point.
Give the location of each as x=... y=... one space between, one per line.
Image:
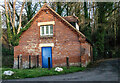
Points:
x=7 y=57
x=6 y=51
x=116 y=53
x=7 y=61
x=95 y=53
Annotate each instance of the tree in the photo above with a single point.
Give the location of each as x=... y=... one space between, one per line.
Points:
x=9 y=33
x=30 y=9
x=10 y=13
x=103 y=9
x=58 y=7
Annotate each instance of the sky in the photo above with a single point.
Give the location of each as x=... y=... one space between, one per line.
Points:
x=1 y=3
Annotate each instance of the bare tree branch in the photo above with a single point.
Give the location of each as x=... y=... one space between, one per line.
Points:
x=10 y=14
x=6 y=12
x=20 y=17
x=14 y=16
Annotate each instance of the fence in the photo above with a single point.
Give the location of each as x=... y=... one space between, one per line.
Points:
x=34 y=59
x=28 y=61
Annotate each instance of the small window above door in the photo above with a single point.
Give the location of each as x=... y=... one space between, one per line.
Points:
x=46 y=30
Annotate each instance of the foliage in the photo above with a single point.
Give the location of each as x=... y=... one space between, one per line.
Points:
x=85 y=10
x=8 y=61
x=38 y=72
x=16 y=38
x=9 y=33
x=30 y=11
x=13 y=23
x=87 y=29
x=8 y=57
x=95 y=53
x=7 y=52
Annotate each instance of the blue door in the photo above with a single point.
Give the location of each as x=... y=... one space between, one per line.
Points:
x=46 y=52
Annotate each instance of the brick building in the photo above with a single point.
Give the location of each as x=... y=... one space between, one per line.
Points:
x=51 y=35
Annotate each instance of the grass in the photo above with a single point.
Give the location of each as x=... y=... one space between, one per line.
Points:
x=38 y=72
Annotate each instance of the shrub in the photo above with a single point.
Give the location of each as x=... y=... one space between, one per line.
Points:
x=7 y=57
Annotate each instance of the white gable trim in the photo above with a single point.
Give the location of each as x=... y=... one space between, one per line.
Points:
x=77 y=26
x=46 y=45
x=46 y=23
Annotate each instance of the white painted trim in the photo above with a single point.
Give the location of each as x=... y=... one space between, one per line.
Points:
x=46 y=45
x=46 y=23
x=40 y=31
x=49 y=30
x=77 y=26
x=45 y=31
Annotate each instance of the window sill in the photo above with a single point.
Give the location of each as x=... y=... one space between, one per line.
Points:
x=47 y=36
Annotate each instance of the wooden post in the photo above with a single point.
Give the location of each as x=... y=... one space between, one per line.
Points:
x=80 y=53
x=48 y=63
x=80 y=61
x=37 y=60
x=91 y=53
x=18 y=61
x=67 y=62
x=29 y=61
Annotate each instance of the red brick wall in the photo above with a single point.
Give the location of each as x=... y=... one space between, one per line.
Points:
x=66 y=42
x=85 y=54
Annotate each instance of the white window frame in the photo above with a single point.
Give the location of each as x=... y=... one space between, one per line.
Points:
x=49 y=34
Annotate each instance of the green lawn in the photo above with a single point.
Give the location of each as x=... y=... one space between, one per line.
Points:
x=38 y=72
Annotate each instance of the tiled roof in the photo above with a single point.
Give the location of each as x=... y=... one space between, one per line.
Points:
x=71 y=18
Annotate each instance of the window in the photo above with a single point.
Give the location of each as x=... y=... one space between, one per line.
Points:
x=46 y=30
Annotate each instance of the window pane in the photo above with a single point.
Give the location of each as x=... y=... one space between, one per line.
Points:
x=42 y=29
x=46 y=29
x=51 y=29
